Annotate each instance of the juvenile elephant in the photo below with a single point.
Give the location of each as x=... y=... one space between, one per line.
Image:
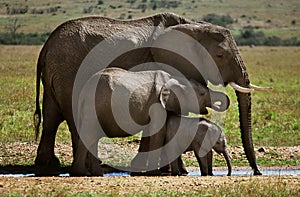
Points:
x=119 y=103
x=198 y=135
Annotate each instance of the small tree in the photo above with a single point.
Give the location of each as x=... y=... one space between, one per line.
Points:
x=12 y=26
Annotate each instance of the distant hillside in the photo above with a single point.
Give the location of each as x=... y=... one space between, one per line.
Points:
x=34 y=20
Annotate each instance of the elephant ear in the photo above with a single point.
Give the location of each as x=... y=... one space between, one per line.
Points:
x=218 y=36
x=164 y=95
x=165 y=91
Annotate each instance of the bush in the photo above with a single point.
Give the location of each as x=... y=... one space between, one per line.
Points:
x=100 y=2
x=251 y=37
x=23 y=39
x=222 y=20
x=246 y=37
x=164 y=4
x=88 y=10
x=17 y=10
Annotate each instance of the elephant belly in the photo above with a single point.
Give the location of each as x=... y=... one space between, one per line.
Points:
x=121 y=105
x=118 y=126
x=116 y=122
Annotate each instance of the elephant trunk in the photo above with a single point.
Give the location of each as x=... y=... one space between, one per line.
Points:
x=228 y=162
x=219 y=101
x=244 y=103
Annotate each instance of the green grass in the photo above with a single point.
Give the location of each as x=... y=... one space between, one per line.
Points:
x=241 y=186
x=17 y=84
x=246 y=13
x=275 y=114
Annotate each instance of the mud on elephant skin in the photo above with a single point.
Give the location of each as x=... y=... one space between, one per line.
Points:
x=71 y=42
x=194 y=134
x=119 y=103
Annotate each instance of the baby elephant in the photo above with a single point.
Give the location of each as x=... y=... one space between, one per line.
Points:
x=198 y=135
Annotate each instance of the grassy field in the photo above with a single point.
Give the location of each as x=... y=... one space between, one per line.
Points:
x=274 y=18
x=276 y=114
x=275 y=123
x=151 y=186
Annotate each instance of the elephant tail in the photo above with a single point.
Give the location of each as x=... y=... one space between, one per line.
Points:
x=37 y=114
x=227 y=158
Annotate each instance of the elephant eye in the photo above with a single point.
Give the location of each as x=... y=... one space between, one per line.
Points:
x=219 y=51
x=220 y=54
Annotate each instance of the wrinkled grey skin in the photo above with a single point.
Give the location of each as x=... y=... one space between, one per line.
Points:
x=69 y=43
x=207 y=137
x=117 y=89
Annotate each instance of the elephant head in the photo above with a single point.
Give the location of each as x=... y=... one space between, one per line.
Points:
x=178 y=95
x=207 y=52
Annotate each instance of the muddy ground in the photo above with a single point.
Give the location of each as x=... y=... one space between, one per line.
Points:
x=115 y=186
x=20 y=155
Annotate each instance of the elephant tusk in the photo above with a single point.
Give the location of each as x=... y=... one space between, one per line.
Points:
x=239 y=88
x=254 y=87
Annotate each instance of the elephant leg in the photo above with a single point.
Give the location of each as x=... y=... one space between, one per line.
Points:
x=164 y=163
x=74 y=135
x=202 y=164
x=152 y=142
x=148 y=153
x=93 y=162
x=91 y=159
x=154 y=154
x=175 y=167
x=209 y=163
x=139 y=162
x=78 y=167
x=46 y=161
x=181 y=166
x=178 y=168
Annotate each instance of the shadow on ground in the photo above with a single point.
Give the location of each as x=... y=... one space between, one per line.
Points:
x=32 y=169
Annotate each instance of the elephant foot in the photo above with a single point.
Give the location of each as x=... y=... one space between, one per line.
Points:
x=183 y=172
x=47 y=165
x=137 y=173
x=75 y=172
x=204 y=173
x=153 y=173
x=257 y=172
x=110 y=169
x=147 y=173
x=96 y=171
x=165 y=171
x=179 y=173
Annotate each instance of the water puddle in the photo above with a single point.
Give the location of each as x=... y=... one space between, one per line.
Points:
x=249 y=172
x=235 y=172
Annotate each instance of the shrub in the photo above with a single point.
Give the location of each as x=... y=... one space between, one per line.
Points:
x=88 y=10
x=222 y=20
x=23 y=39
x=100 y=2
x=250 y=37
x=17 y=10
x=293 y=22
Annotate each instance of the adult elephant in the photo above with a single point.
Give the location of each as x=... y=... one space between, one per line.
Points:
x=212 y=55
